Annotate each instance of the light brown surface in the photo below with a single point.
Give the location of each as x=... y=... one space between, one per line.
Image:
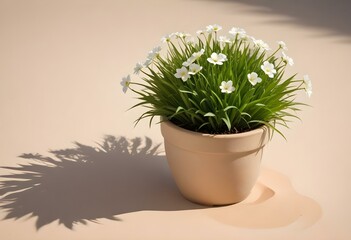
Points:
x=60 y=67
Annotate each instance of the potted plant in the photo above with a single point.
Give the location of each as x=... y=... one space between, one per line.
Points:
x=219 y=98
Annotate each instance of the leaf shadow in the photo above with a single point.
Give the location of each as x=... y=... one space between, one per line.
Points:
x=85 y=183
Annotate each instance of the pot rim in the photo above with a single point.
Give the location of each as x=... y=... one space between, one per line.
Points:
x=219 y=136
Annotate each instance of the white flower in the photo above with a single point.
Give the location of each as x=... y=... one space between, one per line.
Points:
x=282 y=45
x=138 y=68
x=243 y=36
x=217 y=59
x=287 y=59
x=178 y=34
x=268 y=69
x=261 y=44
x=199 y=32
x=198 y=54
x=253 y=78
x=227 y=87
x=194 y=68
x=213 y=28
x=172 y=35
x=181 y=35
x=189 y=61
x=238 y=33
x=182 y=73
x=190 y=40
x=153 y=53
x=125 y=83
x=147 y=62
x=223 y=40
x=166 y=38
x=235 y=31
x=157 y=49
x=308 y=85
x=193 y=57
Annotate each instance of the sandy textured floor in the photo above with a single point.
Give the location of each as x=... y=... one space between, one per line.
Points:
x=63 y=118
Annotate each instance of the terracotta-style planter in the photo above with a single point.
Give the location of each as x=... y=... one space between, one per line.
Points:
x=214 y=169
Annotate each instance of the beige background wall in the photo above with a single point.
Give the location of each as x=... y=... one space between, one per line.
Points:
x=61 y=63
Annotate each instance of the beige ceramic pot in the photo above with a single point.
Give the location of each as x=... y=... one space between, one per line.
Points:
x=214 y=169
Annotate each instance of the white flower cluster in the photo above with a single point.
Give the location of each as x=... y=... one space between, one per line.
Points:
x=260 y=44
x=139 y=67
x=285 y=58
x=184 y=73
x=238 y=33
x=219 y=58
x=191 y=67
x=181 y=35
x=149 y=59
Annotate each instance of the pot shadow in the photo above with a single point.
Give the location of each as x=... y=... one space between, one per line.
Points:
x=85 y=183
x=272 y=203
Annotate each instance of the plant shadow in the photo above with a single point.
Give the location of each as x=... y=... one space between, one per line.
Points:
x=86 y=183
